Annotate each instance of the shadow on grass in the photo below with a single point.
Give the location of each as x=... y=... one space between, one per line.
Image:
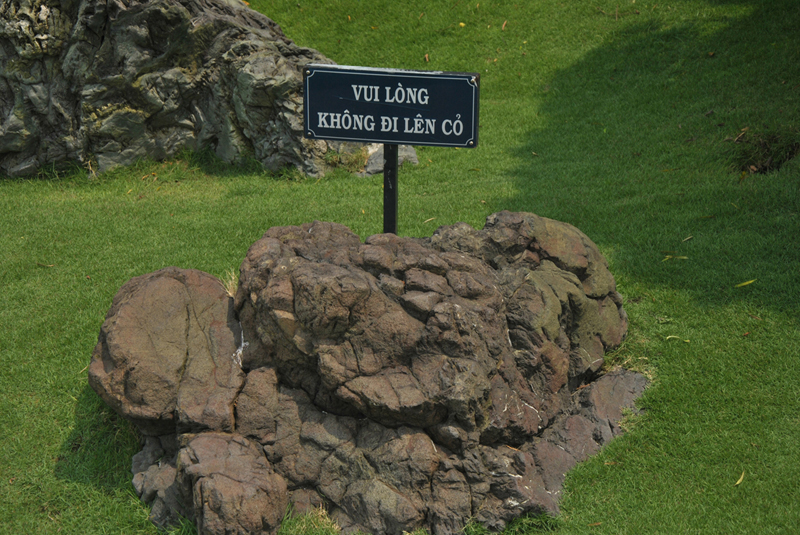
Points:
x=204 y=161
x=636 y=149
x=98 y=451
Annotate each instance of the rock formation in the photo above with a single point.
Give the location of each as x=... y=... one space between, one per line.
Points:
x=108 y=82
x=400 y=382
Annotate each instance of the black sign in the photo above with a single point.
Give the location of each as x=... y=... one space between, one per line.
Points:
x=391 y=106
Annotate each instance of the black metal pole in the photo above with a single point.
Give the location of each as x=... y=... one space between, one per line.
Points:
x=390 y=189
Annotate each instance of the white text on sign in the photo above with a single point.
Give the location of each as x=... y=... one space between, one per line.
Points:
x=393 y=95
x=367 y=123
x=397 y=95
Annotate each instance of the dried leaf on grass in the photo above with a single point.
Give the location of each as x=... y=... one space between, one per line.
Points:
x=672 y=336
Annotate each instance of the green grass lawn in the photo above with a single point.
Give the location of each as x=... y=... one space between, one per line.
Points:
x=618 y=117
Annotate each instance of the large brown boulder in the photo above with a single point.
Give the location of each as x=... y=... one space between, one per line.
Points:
x=165 y=350
x=109 y=82
x=400 y=382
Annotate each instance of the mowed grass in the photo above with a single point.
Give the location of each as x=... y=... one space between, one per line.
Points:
x=617 y=117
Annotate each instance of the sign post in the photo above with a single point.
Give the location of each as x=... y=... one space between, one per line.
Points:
x=392 y=107
x=390 y=194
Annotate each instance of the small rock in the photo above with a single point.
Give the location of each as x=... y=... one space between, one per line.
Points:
x=376 y=161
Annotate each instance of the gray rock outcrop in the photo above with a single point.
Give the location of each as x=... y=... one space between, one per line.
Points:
x=400 y=383
x=108 y=82
x=376 y=162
